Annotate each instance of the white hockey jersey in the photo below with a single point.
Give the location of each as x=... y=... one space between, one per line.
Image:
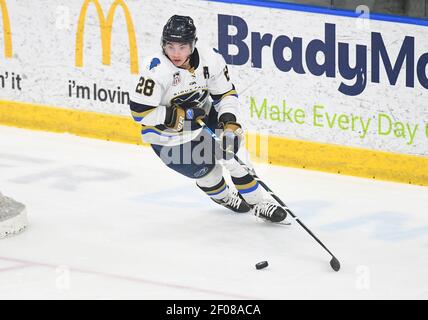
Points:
x=161 y=85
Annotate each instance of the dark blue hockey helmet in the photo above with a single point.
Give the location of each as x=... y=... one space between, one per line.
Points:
x=179 y=29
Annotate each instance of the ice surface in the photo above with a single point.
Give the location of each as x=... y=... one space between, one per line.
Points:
x=109 y=220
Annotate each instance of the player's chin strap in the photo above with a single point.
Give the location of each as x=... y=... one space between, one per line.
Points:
x=334 y=262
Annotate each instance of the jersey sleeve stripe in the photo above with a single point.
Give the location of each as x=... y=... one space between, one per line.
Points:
x=138 y=107
x=139 y=111
x=141 y=114
x=157 y=130
x=218 y=97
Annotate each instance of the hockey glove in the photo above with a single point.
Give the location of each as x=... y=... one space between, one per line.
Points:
x=176 y=115
x=232 y=134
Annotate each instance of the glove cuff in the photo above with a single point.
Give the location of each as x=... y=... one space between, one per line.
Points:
x=232 y=126
x=225 y=118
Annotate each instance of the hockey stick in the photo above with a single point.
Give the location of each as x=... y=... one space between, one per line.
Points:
x=334 y=262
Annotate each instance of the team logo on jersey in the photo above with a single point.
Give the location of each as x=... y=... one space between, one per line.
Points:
x=201 y=172
x=194 y=99
x=176 y=78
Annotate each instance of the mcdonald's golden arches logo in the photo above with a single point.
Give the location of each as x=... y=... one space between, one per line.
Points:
x=6 y=30
x=106 y=26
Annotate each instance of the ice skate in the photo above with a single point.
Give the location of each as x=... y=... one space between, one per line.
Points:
x=269 y=211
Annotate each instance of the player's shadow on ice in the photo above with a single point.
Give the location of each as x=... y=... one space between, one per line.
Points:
x=181 y=197
x=189 y=197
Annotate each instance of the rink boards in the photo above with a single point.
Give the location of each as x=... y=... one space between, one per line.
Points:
x=335 y=93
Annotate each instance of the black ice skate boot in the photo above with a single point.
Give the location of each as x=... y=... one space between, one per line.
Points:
x=270 y=211
x=234 y=201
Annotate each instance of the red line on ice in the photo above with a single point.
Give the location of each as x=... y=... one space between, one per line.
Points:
x=127 y=278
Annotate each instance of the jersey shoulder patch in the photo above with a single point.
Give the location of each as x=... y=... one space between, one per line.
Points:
x=154 y=63
x=155 y=67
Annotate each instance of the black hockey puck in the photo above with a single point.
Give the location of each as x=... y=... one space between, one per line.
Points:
x=261 y=265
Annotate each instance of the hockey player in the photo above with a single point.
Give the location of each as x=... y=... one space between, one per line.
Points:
x=171 y=94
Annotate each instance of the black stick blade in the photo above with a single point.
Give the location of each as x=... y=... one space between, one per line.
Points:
x=335 y=264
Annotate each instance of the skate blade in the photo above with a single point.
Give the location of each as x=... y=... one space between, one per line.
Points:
x=282 y=223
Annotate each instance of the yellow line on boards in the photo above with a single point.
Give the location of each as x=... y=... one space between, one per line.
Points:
x=280 y=151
